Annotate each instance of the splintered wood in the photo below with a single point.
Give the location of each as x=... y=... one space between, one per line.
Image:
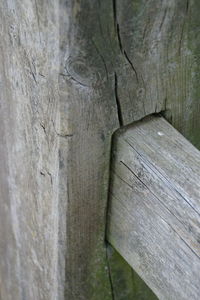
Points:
x=154 y=207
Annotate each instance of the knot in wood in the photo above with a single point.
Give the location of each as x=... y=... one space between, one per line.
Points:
x=81 y=71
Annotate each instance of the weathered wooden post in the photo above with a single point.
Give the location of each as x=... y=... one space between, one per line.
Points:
x=72 y=73
x=29 y=144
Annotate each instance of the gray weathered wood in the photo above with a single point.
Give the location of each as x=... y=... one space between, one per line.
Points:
x=161 y=40
x=88 y=119
x=116 y=66
x=29 y=116
x=154 y=211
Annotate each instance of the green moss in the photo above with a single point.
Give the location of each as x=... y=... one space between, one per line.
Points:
x=193 y=44
x=127 y=285
x=183 y=96
x=98 y=278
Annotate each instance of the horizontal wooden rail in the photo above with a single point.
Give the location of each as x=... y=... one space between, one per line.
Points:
x=154 y=207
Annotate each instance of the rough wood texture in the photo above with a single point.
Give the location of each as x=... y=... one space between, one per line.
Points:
x=154 y=208
x=115 y=68
x=115 y=63
x=88 y=119
x=29 y=112
x=160 y=40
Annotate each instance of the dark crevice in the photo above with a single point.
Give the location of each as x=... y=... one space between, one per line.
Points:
x=119 y=110
x=41 y=75
x=48 y=173
x=114 y=12
x=43 y=127
x=163 y=19
x=187 y=6
x=34 y=77
x=109 y=274
x=132 y=66
x=119 y=38
x=64 y=135
x=106 y=223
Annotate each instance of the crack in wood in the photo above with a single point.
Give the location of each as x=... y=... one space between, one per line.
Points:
x=132 y=66
x=157 y=172
x=119 y=110
x=110 y=275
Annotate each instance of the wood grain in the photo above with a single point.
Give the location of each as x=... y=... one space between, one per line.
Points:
x=160 y=64
x=88 y=119
x=159 y=42
x=154 y=212
x=118 y=62
x=29 y=112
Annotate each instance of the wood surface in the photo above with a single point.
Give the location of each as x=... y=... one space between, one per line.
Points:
x=117 y=64
x=29 y=162
x=72 y=72
x=154 y=211
x=161 y=40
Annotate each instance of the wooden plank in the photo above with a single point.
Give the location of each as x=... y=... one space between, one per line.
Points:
x=88 y=119
x=29 y=164
x=154 y=210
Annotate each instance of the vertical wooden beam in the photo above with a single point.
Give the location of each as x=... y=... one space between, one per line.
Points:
x=29 y=114
x=88 y=119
